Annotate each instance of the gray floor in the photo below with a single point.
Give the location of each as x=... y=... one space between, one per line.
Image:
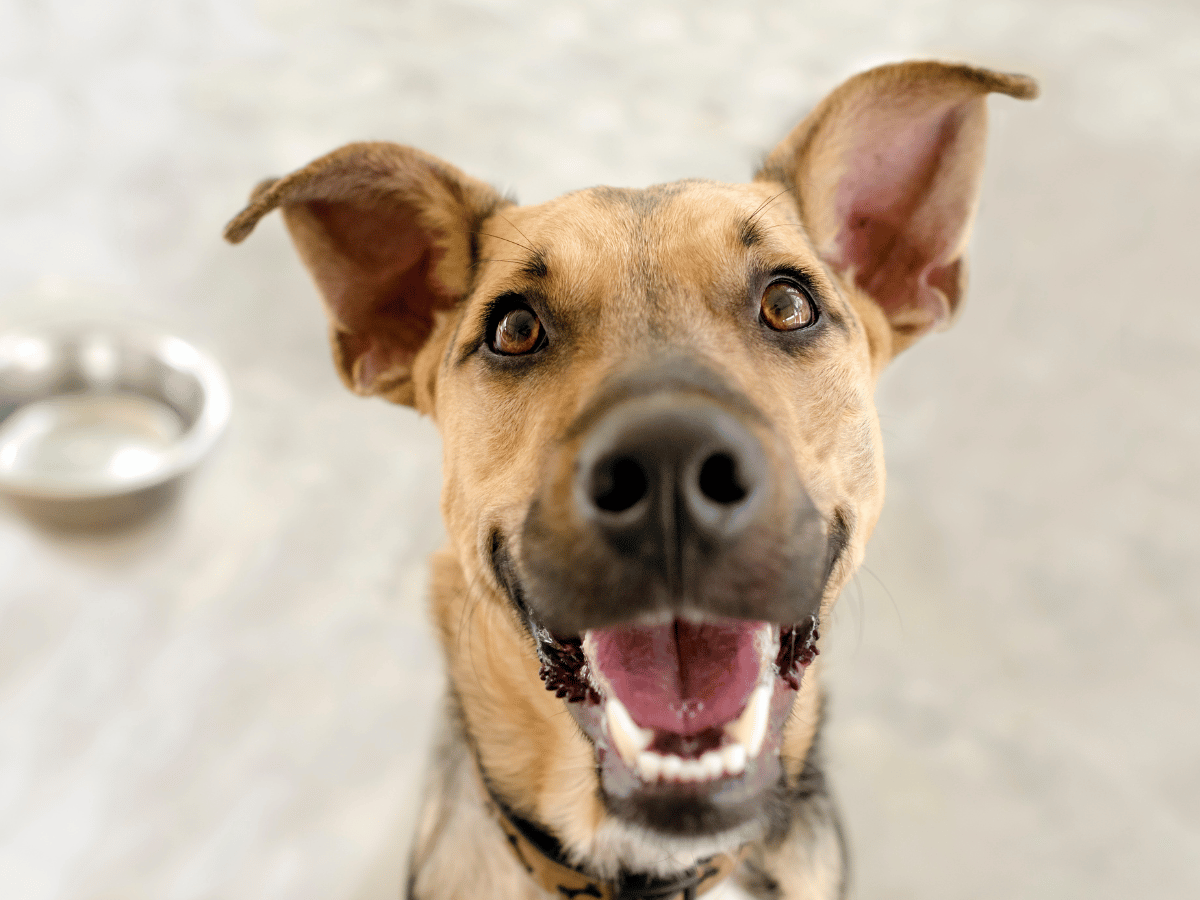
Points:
x=232 y=700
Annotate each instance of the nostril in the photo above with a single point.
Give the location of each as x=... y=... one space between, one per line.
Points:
x=619 y=485
x=719 y=480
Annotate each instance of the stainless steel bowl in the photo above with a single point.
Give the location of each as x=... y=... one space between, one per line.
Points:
x=92 y=413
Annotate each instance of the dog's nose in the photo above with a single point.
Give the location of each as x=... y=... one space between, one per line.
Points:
x=663 y=472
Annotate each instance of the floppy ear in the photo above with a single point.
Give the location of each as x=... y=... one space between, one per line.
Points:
x=387 y=234
x=886 y=171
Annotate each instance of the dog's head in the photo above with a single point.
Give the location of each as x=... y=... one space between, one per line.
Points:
x=662 y=459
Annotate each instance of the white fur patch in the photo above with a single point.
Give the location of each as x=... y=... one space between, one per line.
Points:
x=619 y=845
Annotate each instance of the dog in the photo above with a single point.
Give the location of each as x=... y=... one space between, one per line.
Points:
x=662 y=463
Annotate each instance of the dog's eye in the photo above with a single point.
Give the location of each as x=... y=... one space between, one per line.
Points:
x=518 y=331
x=786 y=307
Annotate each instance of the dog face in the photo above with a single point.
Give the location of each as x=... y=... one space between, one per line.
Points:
x=662 y=460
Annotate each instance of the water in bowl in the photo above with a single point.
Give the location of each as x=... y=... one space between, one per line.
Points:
x=87 y=442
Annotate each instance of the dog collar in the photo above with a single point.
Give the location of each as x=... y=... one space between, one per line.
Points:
x=541 y=855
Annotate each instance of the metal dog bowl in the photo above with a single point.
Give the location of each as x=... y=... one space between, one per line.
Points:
x=95 y=419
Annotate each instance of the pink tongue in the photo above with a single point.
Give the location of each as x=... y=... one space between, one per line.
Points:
x=682 y=677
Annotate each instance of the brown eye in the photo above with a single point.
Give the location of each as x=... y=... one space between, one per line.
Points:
x=786 y=308
x=517 y=332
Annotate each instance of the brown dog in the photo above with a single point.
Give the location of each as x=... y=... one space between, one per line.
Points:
x=662 y=464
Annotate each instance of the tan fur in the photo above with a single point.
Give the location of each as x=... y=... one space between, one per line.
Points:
x=647 y=273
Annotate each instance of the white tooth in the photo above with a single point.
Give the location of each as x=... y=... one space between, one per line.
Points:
x=693 y=770
x=750 y=727
x=626 y=736
x=761 y=702
x=733 y=758
x=671 y=767
x=649 y=765
x=768 y=647
x=712 y=764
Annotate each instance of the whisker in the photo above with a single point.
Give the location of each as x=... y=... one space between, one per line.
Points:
x=499 y=238
x=895 y=606
x=529 y=243
x=473 y=599
x=762 y=206
x=515 y=262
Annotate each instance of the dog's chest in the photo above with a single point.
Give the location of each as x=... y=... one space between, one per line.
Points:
x=729 y=890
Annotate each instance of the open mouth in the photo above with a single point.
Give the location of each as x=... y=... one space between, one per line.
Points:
x=689 y=708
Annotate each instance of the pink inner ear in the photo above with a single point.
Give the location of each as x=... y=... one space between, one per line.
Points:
x=903 y=210
x=378 y=281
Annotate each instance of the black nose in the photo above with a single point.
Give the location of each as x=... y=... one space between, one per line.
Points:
x=660 y=474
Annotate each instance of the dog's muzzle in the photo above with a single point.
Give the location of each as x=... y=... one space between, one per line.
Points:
x=671 y=570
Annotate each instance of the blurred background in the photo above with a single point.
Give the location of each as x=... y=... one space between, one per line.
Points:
x=232 y=698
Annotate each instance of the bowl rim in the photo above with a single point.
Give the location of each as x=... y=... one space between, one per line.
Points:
x=189 y=449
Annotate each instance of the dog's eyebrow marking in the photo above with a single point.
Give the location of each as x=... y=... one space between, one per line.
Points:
x=535 y=266
x=750 y=233
x=762 y=208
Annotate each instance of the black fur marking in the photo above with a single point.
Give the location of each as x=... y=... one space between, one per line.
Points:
x=516 y=846
x=590 y=891
x=504 y=571
x=535 y=266
x=473 y=231
x=642 y=201
x=750 y=234
x=839 y=540
x=647 y=887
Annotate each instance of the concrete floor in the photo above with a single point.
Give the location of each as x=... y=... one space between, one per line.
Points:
x=233 y=699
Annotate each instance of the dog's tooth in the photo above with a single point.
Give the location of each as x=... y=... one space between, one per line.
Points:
x=649 y=765
x=693 y=770
x=767 y=641
x=750 y=727
x=672 y=765
x=627 y=737
x=733 y=759
x=712 y=764
x=761 y=702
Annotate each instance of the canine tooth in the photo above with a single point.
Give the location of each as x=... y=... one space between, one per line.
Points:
x=626 y=736
x=671 y=767
x=712 y=764
x=751 y=726
x=768 y=647
x=733 y=758
x=649 y=765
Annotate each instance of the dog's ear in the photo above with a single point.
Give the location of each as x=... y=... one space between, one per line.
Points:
x=387 y=234
x=886 y=171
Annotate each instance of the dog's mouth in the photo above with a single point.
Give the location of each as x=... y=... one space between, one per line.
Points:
x=685 y=710
x=690 y=711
